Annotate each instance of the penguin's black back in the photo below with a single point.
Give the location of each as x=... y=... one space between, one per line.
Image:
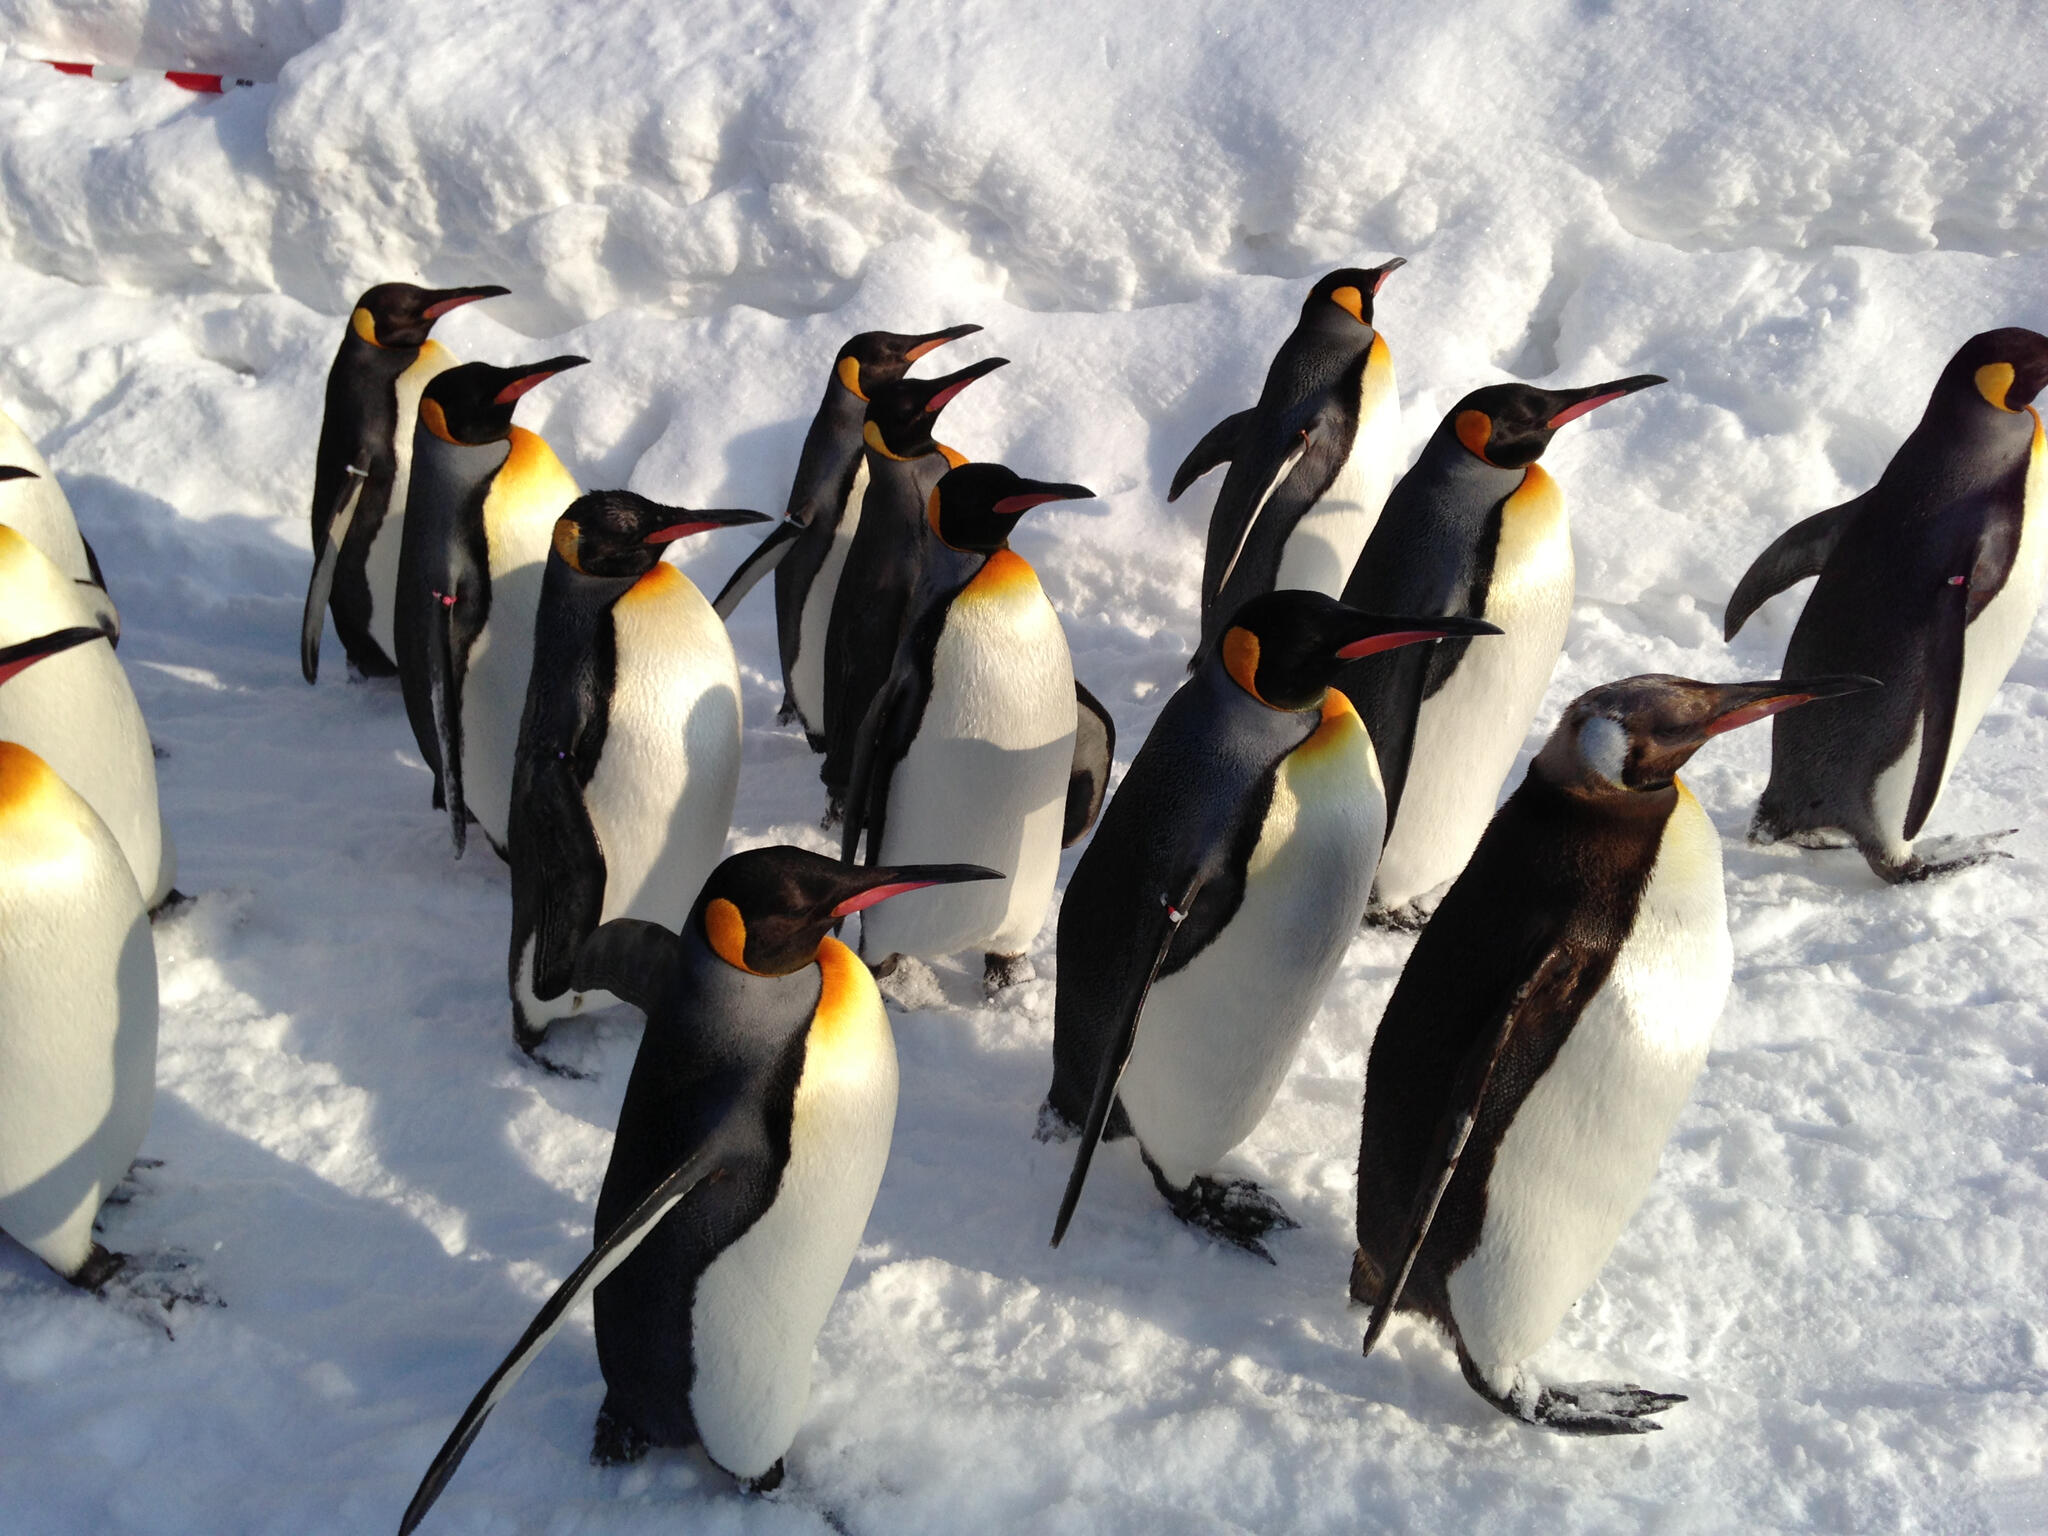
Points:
x=358 y=427
x=817 y=499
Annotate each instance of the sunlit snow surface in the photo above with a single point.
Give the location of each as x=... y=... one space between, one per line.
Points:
x=1795 y=214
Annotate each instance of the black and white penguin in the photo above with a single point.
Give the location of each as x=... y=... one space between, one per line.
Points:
x=1216 y=901
x=1544 y=1036
x=363 y=464
x=903 y=463
x=1476 y=528
x=78 y=713
x=78 y=1004
x=1310 y=464
x=807 y=549
x=480 y=522
x=967 y=752
x=751 y=1142
x=629 y=748
x=33 y=504
x=1930 y=580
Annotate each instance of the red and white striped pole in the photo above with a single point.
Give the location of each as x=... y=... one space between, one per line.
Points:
x=185 y=78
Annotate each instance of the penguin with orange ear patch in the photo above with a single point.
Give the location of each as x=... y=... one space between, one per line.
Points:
x=750 y=1146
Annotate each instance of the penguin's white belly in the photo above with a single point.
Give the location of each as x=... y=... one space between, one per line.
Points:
x=494 y=694
x=380 y=563
x=985 y=780
x=807 y=674
x=1583 y=1146
x=78 y=1013
x=1468 y=732
x=760 y=1304
x=1217 y=1036
x=1324 y=545
x=37 y=509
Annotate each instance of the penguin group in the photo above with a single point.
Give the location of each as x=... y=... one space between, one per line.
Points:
x=1372 y=650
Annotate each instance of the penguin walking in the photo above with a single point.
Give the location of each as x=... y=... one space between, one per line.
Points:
x=807 y=549
x=1544 y=1036
x=361 y=469
x=33 y=504
x=1215 y=903
x=1310 y=464
x=78 y=1003
x=78 y=713
x=480 y=521
x=750 y=1146
x=903 y=463
x=629 y=747
x=1476 y=528
x=967 y=751
x=1930 y=581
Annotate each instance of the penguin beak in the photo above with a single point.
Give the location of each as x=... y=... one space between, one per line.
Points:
x=704 y=521
x=1580 y=401
x=1740 y=704
x=931 y=341
x=944 y=389
x=527 y=378
x=1038 y=495
x=1384 y=634
x=17 y=659
x=870 y=887
x=446 y=299
x=16 y=472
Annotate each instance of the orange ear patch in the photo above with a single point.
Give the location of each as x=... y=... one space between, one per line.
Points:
x=435 y=420
x=1241 y=659
x=364 y=324
x=1993 y=380
x=1475 y=431
x=726 y=932
x=849 y=376
x=1351 y=301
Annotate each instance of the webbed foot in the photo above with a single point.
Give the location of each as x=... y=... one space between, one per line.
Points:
x=767 y=1482
x=1934 y=857
x=1235 y=1210
x=1409 y=917
x=1000 y=971
x=614 y=1442
x=1053 y=1126
x=1580 y=1408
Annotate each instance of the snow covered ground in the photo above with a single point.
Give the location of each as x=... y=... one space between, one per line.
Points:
x=1795 y=215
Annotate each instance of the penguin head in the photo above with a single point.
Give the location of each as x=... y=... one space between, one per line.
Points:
x=18 y=658
x=1509 y=425
x=1342 y=301
x=1632 y=736
x=473 y=403
x=767 y=910
x=975 y=506
x=901 y=414
x=2004 y=368
x=1285 y=648
x=882 y=357
x=623 y=534
x=400 y=315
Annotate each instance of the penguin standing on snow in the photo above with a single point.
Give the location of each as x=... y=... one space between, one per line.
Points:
x=903 y=463
x=967 y=751
x=33 y=504
x=1476 y=528
x=807 y=549
x=629 y=748
x=1544 y=1036
x=363 y=463
x=1310 y=464
x=77 y=1003
x=480 y=521
x=751 y=1143
x=1930 y=581
x=1204 y=922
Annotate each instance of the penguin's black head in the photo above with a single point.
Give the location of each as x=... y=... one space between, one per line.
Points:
x=18 y=658
x=1284 y=648
x=1342 y=301
x=767 y=910
x=2004 y=368
x=473 y=403
x=882 y=357
x=623 y=534
x=1633 y=736
x=901 y=415
x=975 y=506
x=400 y=315
x=1509 y=425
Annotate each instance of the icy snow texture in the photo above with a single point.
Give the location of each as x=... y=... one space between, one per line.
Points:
x=1792 y=213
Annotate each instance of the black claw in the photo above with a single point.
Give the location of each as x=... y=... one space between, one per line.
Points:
x=1000 y=971
x=1236 y=1211
x=614 y=1442
x=1053 y=1126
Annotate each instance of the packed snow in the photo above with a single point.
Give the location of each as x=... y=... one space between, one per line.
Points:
x=1795 y=214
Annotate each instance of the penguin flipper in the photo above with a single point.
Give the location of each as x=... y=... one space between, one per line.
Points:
x=322 y=585
x=1942 y=685
x=1218 y=446
x=444 y=696
x=564 y=861
x=702 y=1165
x=638 y=961
x=1094 y=750
x=765 y=557
x=1797 y=553
x=876 y=752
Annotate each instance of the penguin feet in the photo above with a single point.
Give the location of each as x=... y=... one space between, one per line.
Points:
x=1409 y=917
x=174 y=902
x=1934 y=857
x=1234 y=1210
x=100 y=1266
x=835 y=810
x=1053 y=1126
x=614 y=1442
x=132 y=1183
x=1582 y=1408
x=787 y=714
x=1819 y=837
x=885 y=967
x=1000 y=971
x=530 y=1040
x=767 y=1482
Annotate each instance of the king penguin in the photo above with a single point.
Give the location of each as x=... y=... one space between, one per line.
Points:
x=78 y=712
x=629 y=747
x=1215 y=902
x=750 y=1146
x=78 y=1004
x=807 y=549
x=968 y=750
x=1476 y=528
x=1544 y=1036
x=903 y=464
x=33 y=504
x=1310 y=464
x=482 y=507
x=1930 y=581
x=362 y=466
